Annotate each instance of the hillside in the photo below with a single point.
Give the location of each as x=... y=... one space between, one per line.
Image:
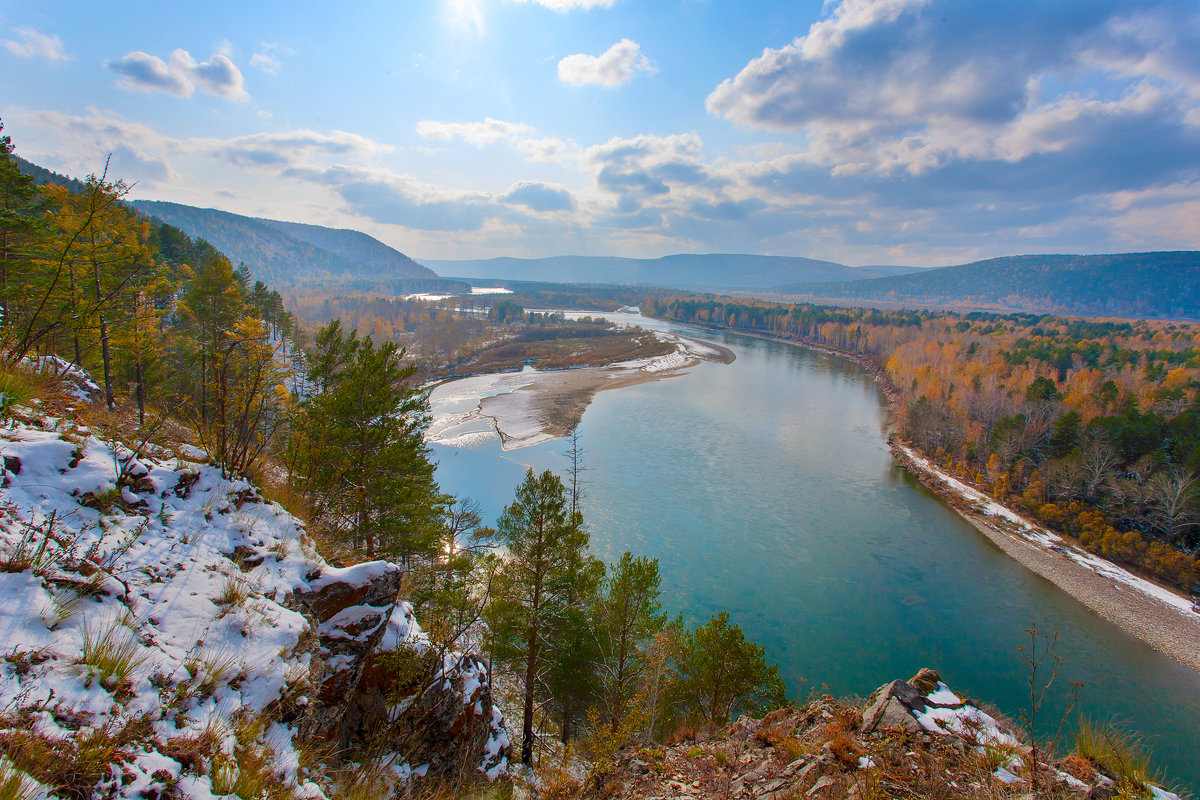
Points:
x=171 y=633
x=700 y=272
x=290 y=255
x=1154 y=285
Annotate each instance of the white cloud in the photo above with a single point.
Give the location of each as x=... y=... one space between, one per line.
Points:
x=613 y=67
x=266 y=58
x=32 y=44
x=476 y=133
x=218 y=76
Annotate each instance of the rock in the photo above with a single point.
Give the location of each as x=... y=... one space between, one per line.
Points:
x=637 y=767
x=743 y=727
x=819 y=786
x=377 y=686
x=889 y=706
x=349 y=610
x=12 y=464
x=925 y=681
x=1102 y=792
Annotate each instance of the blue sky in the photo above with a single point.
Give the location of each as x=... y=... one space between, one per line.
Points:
x=860 y=131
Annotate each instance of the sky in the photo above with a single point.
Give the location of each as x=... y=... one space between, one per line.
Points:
x=926 y=132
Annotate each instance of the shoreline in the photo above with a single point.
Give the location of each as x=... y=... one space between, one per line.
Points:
x=1104 y=588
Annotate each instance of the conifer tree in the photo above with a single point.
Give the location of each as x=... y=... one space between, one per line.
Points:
x=359 y=451
x=626 y=617
x=19 y=202
x=717 y=672
x=531 y=602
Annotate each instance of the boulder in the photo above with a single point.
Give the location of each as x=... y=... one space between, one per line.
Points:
x=382 y=682
x=890 y=706
x=348 y=609
x=925 y=681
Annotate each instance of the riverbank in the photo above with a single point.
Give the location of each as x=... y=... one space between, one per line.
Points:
x=1148 y=612
x=1153 y=614
x=534 y=406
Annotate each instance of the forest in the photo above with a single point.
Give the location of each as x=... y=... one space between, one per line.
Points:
x=1091 y=427
x=180 y=340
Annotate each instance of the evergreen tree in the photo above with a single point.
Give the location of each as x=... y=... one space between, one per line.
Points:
x=19 y=202
x=718 y=672
x=529 y=612
x=625 y=619
x=359 y=451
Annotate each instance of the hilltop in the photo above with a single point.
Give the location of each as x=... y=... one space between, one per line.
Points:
x=291 y=255
x=1142 y=285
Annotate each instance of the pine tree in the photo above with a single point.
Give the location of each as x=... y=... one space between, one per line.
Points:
x=625 y=619
x=530 y=608
x=359 y=451
x=717 y=672
x=19 y=202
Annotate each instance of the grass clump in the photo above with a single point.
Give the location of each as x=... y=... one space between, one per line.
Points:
x=1118 y=753
x=16 y=389
x=16 y=785
x=111 y=654
x=234 y=594
x=73 y=766
x=213 y=671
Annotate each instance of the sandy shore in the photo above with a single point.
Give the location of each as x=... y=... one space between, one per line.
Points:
x=530 y=407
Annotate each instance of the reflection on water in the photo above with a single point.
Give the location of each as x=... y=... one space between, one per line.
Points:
x=765 y=488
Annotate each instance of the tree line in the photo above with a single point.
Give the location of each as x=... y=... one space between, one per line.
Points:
x=1092 y=427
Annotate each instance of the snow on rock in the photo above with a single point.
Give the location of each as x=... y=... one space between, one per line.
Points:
x=153 y=600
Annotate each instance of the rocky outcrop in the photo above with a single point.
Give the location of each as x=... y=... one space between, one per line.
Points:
x=382 y=684
x=913 y=738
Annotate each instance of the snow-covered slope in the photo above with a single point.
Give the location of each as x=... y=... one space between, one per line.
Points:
x=165 y=631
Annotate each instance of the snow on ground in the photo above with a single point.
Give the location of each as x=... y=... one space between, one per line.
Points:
x=428 y=296
x=1051 y=540
x=184 y=573
x=490 y=290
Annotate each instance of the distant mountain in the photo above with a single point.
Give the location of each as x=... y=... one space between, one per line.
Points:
x=710 y=272
x=289 y=254
x=1163 y=284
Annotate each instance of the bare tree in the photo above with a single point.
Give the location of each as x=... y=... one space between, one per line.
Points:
x=575 y=471
x=1098 y=462
x=1171 y=501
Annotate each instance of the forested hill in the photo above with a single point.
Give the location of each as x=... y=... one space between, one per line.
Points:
x=42 y=176
x=699 y=272
x=291 y=255
x=1150 y=285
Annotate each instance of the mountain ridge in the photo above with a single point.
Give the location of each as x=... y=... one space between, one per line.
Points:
x=692 y=271
x=1162 y=284
x=290 y=254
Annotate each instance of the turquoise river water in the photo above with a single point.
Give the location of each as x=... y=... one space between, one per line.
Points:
x=765 y=488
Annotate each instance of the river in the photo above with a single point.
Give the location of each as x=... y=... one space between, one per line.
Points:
x=766 y=488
